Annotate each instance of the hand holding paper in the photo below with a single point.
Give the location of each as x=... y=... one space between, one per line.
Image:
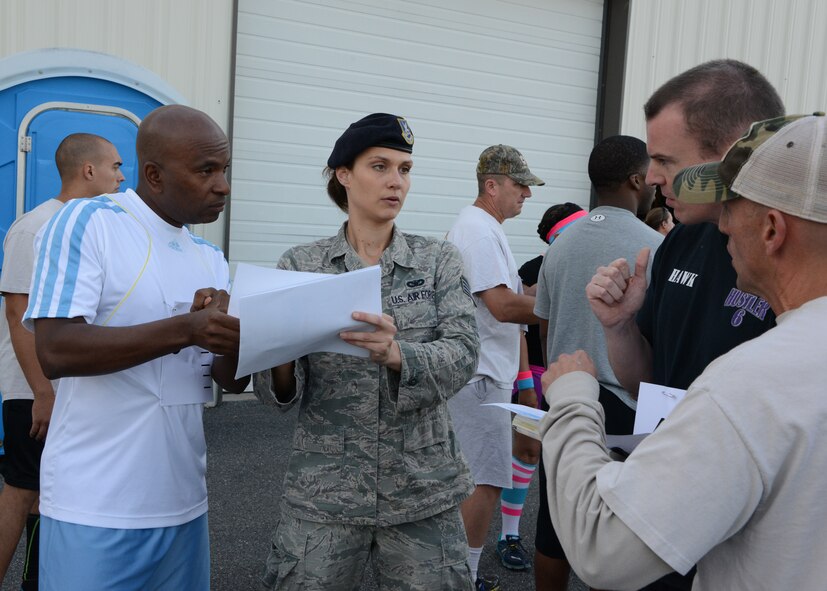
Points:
x=379 y=343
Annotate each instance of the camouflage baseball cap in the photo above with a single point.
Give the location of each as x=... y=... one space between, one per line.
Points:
x=780 y=163
x=505 y=160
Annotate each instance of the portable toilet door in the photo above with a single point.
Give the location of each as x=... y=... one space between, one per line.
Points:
x=43 y=128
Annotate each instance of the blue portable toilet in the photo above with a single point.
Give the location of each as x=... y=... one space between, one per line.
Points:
x=47 y=94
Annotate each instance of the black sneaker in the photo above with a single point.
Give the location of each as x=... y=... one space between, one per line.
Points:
x=512 y=554
x=491 y=583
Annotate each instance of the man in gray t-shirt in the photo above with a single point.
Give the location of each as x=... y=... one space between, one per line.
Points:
x=617 y=169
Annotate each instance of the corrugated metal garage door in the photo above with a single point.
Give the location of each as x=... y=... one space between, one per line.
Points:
x=466 y=74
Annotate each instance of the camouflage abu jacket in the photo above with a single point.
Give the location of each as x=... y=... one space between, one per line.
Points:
x=373 y=446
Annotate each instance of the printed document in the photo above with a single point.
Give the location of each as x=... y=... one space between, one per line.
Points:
x=285 y=315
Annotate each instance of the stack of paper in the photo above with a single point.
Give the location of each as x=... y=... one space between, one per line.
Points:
x=287 y=314
x=526 y=426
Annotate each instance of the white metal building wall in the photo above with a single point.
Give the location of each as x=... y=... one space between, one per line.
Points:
x=188 y=43
x=466 y=74
x=783 y=39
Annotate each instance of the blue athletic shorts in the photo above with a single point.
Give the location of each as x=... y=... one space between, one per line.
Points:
x=80 y=558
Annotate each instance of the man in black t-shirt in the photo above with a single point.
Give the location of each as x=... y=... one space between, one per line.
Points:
x=691 y=313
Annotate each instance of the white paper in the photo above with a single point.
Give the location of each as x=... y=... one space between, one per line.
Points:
x=654 y=403
x=523 y=411
x=252 y=279
x=287 y=314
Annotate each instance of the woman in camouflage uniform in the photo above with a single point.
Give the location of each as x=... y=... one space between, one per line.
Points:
x=375 y=469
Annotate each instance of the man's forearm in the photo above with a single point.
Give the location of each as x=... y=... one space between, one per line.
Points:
x=24 y=349
x=520 y=310
x=72 y=347
x=507 y=306
x=602 y=549
x=630 y=356
x=23 y=344
x=223 y=372
x=75 y=348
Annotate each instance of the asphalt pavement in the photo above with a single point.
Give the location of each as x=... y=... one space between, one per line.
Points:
x=247 y=450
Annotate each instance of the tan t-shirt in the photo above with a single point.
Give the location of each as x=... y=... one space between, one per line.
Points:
x=16 y=277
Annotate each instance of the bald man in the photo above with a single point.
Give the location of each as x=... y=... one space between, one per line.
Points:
x=129 y=310
x=88 y=165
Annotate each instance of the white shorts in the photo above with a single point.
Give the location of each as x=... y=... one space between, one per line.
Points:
x=484 y=432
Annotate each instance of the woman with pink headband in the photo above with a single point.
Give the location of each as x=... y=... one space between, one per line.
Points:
x=556 y=219
x=552 y=214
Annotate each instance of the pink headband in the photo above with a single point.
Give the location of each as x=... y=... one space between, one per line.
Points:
x=565 y=223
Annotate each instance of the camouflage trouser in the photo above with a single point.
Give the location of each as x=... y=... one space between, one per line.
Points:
x=426 y=554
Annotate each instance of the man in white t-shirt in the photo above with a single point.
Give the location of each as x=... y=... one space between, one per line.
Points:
x=746 y=501
x=88 y=165
x=129 y=310
x=502 y=310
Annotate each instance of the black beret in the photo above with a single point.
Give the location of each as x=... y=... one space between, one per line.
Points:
x=379 y=129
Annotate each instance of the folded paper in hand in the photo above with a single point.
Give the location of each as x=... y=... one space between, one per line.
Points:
x=526 y=419
x=285 y=315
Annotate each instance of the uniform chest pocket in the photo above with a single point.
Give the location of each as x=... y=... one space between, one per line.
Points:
x=416 y=321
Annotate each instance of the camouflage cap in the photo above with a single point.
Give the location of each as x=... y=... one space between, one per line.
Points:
x=505 y=160
x=780 y=163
